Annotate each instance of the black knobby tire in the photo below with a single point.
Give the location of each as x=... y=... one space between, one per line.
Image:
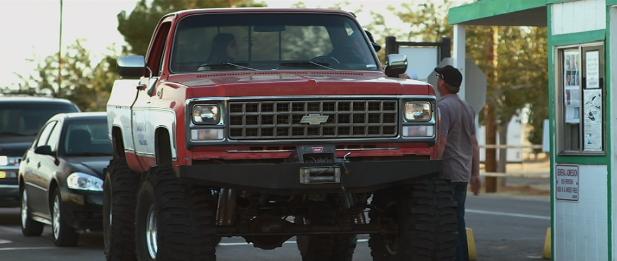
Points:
x=425 y=212
x=203 y=205
x=326 y=247
x=120 y=190
x=165 y=197
x=29 y=227
x=63 y=233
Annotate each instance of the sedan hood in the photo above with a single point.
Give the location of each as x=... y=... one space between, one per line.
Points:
x=92 y=165
x=281 y=83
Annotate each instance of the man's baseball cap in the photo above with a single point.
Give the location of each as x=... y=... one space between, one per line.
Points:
x=450 y=75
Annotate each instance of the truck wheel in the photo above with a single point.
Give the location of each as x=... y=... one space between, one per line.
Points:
x=203 y=204
x=164 y=223
x=425 y=212
x=119 y=193
x=63 y=234
x=29 y=227
x=326 y=247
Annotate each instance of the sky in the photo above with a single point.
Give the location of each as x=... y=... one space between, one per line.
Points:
x=31 y=27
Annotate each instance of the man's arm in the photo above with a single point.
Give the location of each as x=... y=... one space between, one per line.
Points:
x=474 y=181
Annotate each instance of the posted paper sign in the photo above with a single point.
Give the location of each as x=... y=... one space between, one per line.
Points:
x=566 y=182
x=592 y=66
x=592 y=120
x=572 y=86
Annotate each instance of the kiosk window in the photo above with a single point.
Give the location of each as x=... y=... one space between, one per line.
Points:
x=580 y=85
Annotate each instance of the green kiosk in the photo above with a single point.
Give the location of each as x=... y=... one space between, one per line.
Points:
x=582 y=41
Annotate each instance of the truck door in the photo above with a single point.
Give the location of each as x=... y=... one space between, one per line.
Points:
x=143 y=129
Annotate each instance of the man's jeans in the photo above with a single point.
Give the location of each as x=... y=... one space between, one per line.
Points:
x=460 y=192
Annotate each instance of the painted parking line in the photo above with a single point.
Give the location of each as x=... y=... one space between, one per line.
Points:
x=507 y=214
x=4 y=241
x=286 y=242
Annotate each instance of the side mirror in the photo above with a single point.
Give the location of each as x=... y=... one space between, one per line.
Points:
x=44 y=150
x=396 y=65
x=131 y=66
x=376 y=46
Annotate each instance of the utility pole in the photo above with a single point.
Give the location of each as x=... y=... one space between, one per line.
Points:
x=60 y=52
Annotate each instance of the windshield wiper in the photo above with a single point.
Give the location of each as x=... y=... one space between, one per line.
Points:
x=305 y=63
x=228 y=64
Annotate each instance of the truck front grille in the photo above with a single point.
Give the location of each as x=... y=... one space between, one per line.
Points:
x=263 y=120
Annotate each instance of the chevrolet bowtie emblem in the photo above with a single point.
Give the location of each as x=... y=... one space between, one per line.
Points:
x=314 y=119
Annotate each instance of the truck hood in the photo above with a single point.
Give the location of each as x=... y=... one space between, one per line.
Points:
x=15 y=146
x=282 y=83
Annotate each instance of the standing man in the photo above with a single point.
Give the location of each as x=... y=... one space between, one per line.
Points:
x=458 y=146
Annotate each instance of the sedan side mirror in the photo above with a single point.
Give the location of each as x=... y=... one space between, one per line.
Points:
x=396 y=65
x=131 y=66
x=44 y=150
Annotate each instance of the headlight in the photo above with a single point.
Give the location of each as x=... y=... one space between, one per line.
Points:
x=83 y=181
x=206 y=114
x=418 y=111
x=9 y=161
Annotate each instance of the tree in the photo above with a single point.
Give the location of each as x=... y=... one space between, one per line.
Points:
x=138 y=26
x=85 y=85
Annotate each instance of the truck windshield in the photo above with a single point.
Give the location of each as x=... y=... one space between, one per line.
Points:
x=270 y=42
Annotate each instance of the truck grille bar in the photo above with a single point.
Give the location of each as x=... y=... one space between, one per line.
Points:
x=313 y=119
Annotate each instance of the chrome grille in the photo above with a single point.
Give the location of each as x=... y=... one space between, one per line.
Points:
x=254 y=120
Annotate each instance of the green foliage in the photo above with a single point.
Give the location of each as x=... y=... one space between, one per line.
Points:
x=137 y=27
x=86 y=86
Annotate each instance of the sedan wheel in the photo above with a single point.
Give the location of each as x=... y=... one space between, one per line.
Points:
x=29 y=227
x=64 y=234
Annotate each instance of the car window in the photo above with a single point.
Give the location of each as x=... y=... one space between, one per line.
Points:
x=45 y=134
x=27 y=118
x=54 y=137
x=86 y=137
x=270 y=42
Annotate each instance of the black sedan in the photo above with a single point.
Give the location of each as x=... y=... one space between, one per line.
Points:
x=61 y=177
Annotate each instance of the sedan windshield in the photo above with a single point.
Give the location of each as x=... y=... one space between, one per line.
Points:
x=270 y=42
x=86 y=138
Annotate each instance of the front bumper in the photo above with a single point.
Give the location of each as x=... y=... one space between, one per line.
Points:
x=83 y=209
x=354 y=176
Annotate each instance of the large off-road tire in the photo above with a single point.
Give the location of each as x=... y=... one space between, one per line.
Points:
x=29 y=227
x=326 y=247
x=425 y=213
x=165 y=227
x=63 y=233
x=119 y=200
x=203 y=204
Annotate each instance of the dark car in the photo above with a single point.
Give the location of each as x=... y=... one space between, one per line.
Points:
x=20 y=120
x=61 y=177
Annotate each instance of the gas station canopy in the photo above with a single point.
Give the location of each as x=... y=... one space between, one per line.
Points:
x=501 y=13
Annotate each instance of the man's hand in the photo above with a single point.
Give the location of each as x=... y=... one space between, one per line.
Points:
x=475 y=183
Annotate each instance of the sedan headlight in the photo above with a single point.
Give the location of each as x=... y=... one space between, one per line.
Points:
x=206 y=114
x=418 y=111
x=83 y=181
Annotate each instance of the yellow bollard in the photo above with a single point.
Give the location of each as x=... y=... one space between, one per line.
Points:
x=547 y=244
x=471 y=245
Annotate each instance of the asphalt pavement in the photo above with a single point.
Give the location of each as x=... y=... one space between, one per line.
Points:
x=505 y=227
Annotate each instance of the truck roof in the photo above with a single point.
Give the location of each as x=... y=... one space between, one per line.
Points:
x=244 y=10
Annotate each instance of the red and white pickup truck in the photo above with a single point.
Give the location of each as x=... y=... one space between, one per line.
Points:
x=269 y=124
